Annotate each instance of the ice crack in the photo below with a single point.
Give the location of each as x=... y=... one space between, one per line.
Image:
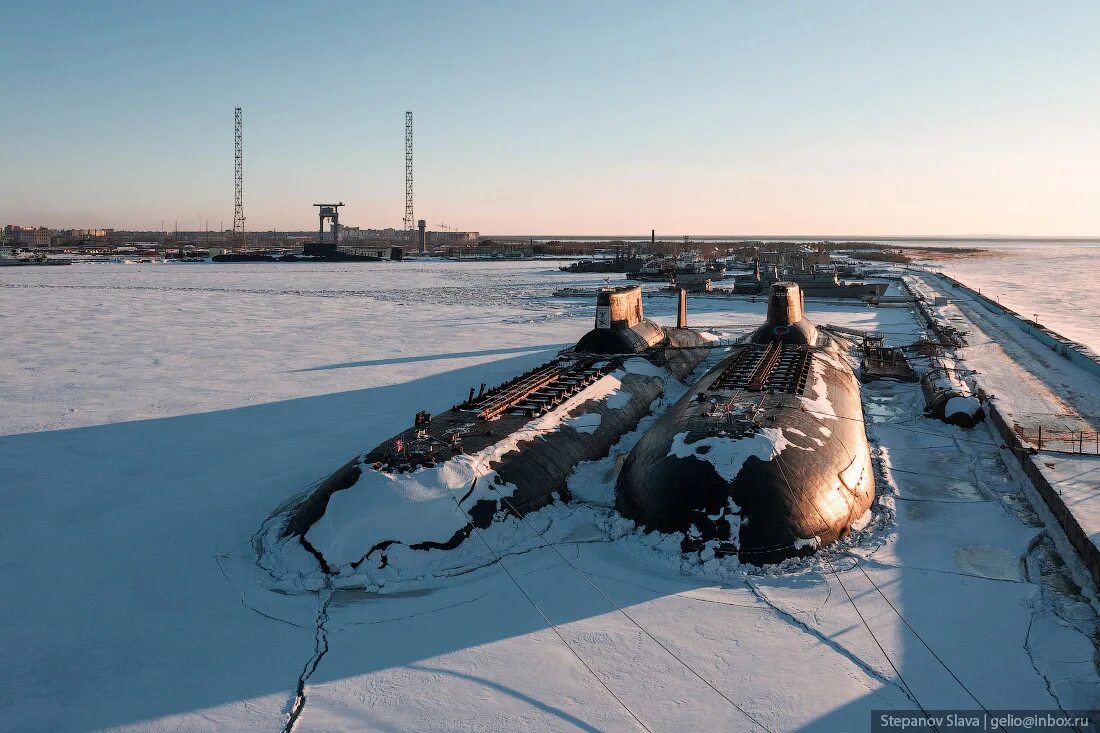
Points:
x=1031 y=658
x=320 y=648
x=838 y=648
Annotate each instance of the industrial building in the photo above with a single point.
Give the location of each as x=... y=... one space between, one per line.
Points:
x=35 y=237
x=425 y=241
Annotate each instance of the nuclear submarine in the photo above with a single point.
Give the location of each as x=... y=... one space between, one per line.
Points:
x=500 y=452
x=766 y=457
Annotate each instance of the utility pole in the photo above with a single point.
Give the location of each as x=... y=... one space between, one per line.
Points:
x=238 y=179
x=410 y=218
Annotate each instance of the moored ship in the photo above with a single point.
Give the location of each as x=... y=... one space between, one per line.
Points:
x=18 y=257
x=818 y=282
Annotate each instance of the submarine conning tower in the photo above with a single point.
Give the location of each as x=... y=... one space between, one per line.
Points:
x=786 y=320
x=620 y=327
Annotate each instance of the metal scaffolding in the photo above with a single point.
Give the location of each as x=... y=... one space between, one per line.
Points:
x=410 y=219
x=238 y=177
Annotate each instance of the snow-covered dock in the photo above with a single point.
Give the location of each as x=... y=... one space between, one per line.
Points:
x=1076 y=479
x=1033 y=383
x=1042 y=385
x=140 y=456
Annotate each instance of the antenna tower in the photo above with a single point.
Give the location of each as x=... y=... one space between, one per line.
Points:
x=410 y=219
x=238 y=177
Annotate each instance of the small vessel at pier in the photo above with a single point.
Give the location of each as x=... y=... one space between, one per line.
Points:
x=948 y=395
x=18 y=257
x=686 y=265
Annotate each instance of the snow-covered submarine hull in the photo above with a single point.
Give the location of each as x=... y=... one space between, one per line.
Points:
x=766 y=456
x=505 y=451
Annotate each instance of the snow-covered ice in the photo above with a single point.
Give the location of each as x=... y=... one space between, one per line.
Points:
x=1054 y=280
x=156 y=416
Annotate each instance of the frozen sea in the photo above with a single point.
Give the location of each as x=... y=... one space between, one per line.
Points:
x=156 y=415
x=1056 y=281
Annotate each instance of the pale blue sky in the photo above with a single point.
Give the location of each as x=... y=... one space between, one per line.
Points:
x=591 y=117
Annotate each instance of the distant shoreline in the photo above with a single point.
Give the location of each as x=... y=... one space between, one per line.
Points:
x=940 y=254
x=898 y=239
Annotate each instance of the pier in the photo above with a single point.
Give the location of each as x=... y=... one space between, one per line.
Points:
x=1044 y=399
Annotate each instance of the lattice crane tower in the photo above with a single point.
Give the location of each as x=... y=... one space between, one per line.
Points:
x=410 y=218
x=238 y=176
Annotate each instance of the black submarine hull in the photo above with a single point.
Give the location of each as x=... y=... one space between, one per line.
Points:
x=516 y=446
x=766 y=457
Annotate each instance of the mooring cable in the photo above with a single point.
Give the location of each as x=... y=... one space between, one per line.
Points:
x=553 y=627
x=908 y=690
x=921 y=639
x=567 y=561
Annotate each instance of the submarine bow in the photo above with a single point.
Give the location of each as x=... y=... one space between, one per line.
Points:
x=766 y=456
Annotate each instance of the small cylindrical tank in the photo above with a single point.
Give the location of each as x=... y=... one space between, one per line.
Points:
x=949 y=397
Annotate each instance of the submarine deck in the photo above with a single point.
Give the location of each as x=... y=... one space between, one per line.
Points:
x=489 y=415
x=759 y=379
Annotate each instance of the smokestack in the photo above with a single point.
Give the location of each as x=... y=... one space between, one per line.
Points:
x=652 y=238
x=682 y=314
x=421 y=237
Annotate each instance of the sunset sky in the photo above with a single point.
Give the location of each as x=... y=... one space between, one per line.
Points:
x=815 y=118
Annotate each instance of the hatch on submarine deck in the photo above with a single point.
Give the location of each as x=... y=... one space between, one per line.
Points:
x=505 y=450
x=766 y=456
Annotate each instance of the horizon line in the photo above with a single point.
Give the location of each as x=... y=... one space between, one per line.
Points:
x=816 y=237
x=646 y=236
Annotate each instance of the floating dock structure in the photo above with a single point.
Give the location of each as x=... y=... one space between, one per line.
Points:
x=884 y=362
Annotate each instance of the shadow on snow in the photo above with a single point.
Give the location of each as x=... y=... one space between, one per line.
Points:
x=111 y=533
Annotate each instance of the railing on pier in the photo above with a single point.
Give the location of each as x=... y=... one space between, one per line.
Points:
x=1060 y=440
